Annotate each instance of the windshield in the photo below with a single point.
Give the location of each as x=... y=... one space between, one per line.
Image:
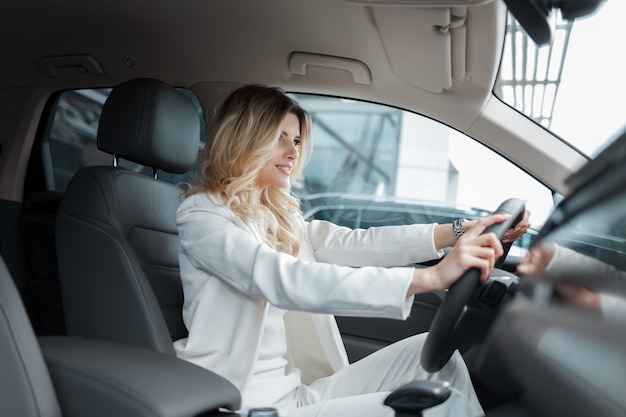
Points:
x=573 y=86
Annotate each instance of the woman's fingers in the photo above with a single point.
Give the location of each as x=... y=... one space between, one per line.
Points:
x=472 y=250
x=485 y=222
x=520 y=229
x=480 y=258
x=482 y=252
x=475 y=249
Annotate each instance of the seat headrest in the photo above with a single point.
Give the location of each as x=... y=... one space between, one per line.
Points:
x=151 y=123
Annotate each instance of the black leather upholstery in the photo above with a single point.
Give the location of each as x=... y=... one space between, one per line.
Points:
x=99 y=378
x=150 y=123
x=116 y=237
x=25 y=386
x=82 y=377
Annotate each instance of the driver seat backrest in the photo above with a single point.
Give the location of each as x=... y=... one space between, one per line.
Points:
x=26 y=388
x=116 y=236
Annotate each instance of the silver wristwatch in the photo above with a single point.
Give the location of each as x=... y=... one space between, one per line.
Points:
x=457 y=228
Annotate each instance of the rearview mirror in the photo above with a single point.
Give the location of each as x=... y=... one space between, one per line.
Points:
x=533 y=14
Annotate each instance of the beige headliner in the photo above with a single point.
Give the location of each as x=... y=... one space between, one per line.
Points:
x=416 y=58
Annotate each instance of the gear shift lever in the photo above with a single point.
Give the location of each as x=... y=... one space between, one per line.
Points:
x=411 y=399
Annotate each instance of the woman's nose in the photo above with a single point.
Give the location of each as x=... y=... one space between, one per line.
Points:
x=292 y=150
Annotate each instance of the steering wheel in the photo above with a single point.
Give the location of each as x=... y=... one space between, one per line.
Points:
x=439 y=346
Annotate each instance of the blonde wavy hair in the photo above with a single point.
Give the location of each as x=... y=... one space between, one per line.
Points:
x=243 y=136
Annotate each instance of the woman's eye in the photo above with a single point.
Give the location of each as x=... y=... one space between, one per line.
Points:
x=297 y=142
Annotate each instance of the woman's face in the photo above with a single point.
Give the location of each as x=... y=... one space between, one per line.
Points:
x=277 y=169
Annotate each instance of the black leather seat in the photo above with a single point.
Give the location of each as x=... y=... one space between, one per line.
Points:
x=84 y=377
x=116 y=236
x=25 y=385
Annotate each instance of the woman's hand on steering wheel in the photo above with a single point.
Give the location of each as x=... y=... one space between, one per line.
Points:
x=473 y=265
x=520 y=229
x=472 y=250
x=511 y=235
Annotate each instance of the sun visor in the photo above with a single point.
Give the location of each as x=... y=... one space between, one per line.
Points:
x=436 y=39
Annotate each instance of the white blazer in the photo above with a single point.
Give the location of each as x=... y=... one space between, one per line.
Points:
x=229 y=276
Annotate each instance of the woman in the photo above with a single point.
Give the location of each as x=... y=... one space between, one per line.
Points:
x=253 y=271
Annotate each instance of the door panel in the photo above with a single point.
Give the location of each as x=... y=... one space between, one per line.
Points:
x=363 y=336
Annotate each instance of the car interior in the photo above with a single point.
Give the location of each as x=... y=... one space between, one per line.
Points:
x=104 y=109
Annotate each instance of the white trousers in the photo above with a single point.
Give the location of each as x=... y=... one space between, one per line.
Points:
x=360 y=388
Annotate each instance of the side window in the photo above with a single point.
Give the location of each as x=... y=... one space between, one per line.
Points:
x=374 y=165
x=69 y=142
